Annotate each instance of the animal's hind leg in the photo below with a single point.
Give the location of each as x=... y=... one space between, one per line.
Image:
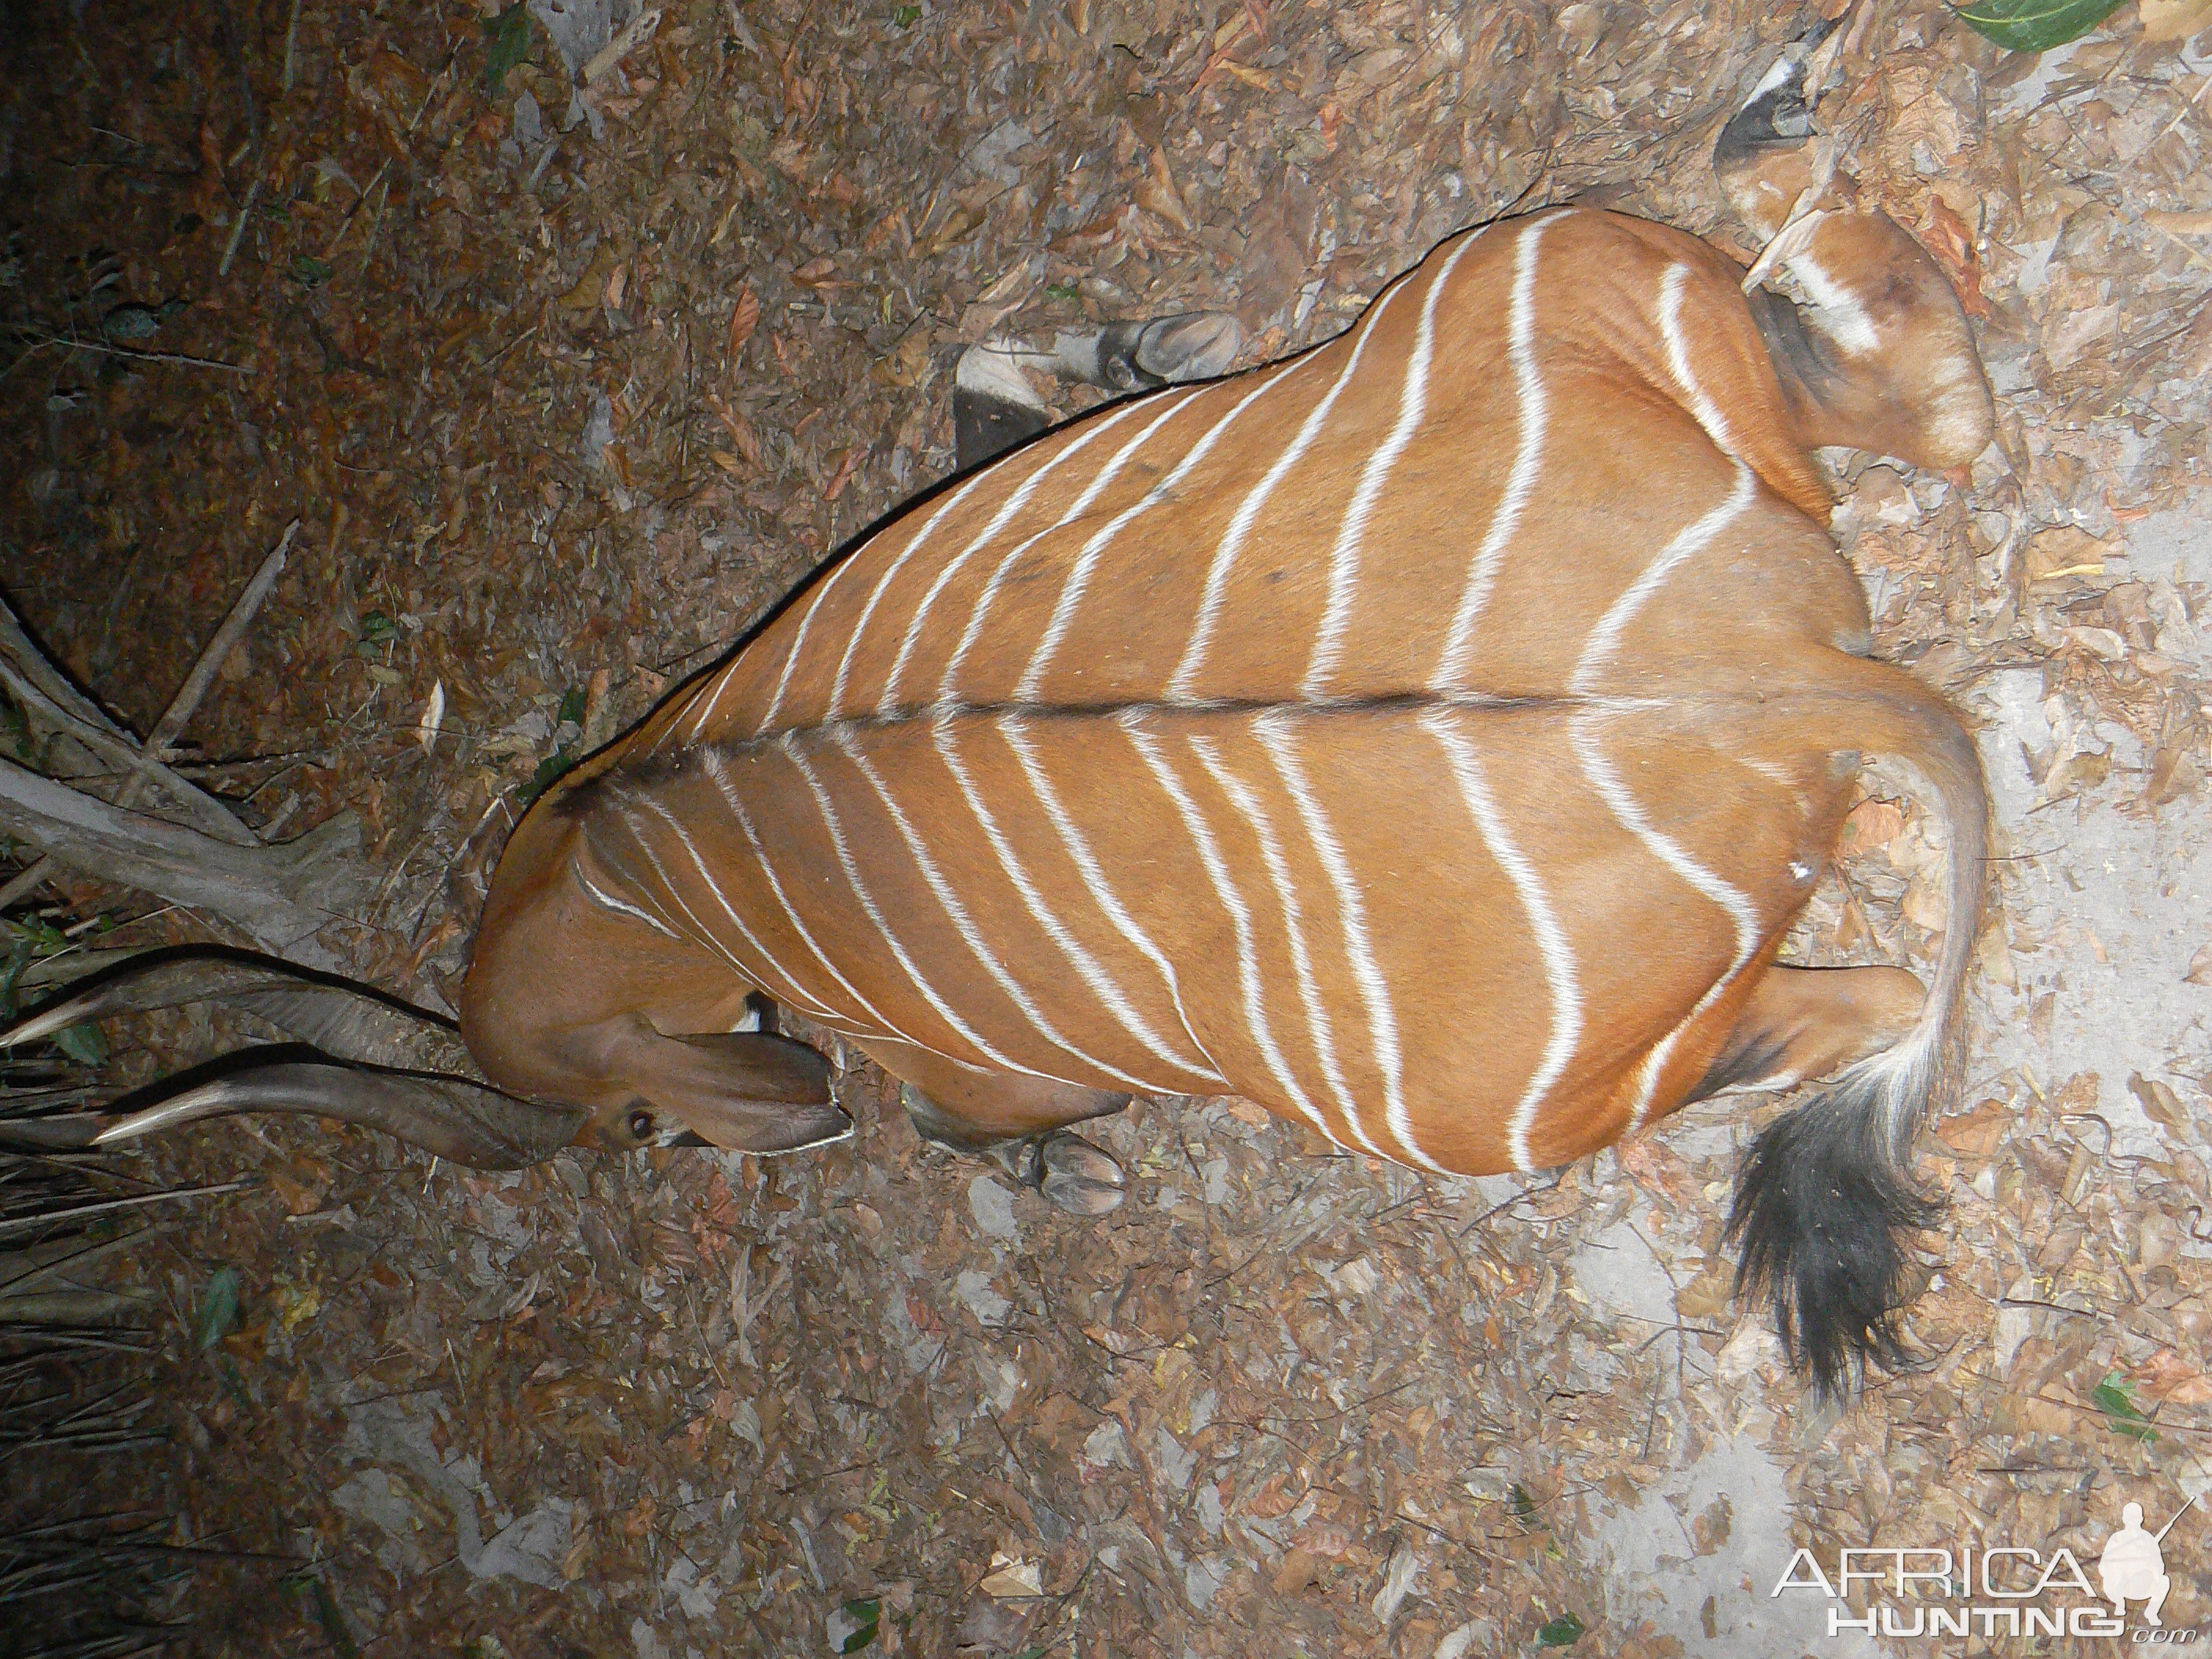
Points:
x=1878 y=354
x=994 y=407
x=1019 y=1123
x=1804 y=1023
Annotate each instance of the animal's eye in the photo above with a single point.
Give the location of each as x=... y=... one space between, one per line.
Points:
x=641 y=1124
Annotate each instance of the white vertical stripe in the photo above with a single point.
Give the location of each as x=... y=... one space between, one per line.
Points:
x=716 y=770
x=887 y=703
x=1344 y=560
x=1240 y=920
x=1605 y=637
x=1248 y=511
x=1552 y=943
x=1599 y=650
x=837 y=710
x=956 y=911
x=1088 y=967
x=1078 y=577
x=703 y=937
x=1076 y=509
x=1527 y=459
x=798 y=647
x=852 y=869
x=713 y=695
x=1358 y=946
x=1707 y=411
x=921 y=984
x=610 y=902
x=1319 y=1026
x=1740 y=910
x=1094 y=876
x=799 y=992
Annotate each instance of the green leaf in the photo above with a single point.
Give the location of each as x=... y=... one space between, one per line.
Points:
x=218 y=1310
x=506 y=44
x=548 y=769
x=83 y=1043
x=376 y=628
x=37 y=935
x=1524 y=1507
x=906 y=16
x=2115 y=1397
x=2035 y=25
x=865 y=1614
x=328 y=1616
x=311 y=272
x=572 y=707
x=233 y=1383
x=1563 y=1631
x=1061 y=291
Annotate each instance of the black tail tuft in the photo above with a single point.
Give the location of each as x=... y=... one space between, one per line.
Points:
x=1823 y=1210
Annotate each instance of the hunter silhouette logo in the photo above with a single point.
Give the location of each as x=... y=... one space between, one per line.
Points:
x=1993 y=1588
x=2132 y=1567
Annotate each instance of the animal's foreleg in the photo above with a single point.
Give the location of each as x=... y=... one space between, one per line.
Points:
x=1019 y=1123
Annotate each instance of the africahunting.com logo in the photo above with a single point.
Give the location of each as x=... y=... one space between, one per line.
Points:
x=1995 y=1589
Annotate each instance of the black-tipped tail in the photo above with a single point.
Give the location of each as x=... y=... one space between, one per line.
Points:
x=1823 y=1209
x=1825 y=1203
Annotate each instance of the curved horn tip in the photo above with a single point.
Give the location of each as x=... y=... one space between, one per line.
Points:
x=129 y=1128
x=44 y=1024
x=208 y=1100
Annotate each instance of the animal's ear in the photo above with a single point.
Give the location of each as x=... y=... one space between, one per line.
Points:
x=744 y=1091
x=746 y=1125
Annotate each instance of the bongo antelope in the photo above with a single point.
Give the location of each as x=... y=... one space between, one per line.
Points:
x=1429 y=737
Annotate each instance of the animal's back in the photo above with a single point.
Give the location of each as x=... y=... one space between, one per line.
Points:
x=1350 y=522
x=1303 y=734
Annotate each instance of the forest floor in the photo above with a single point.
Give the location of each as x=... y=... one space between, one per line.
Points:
x=565 y=396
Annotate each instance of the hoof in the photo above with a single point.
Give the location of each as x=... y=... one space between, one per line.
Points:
x=1764 y=159
x=1165 y=351
x=993 y=405
x=1074 y=1175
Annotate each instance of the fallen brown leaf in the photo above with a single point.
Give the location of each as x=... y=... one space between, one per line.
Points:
x=1872 y=823
x=2078 y=772
x=743 y=319
x=1158 y=194
x=1299 y=1569
x=591 y=285
x=2165 y=1375
x=2173 y=19
x=1952 y=243
x=2160 y=1103
x=1976 y=1134
x=2064 y=550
